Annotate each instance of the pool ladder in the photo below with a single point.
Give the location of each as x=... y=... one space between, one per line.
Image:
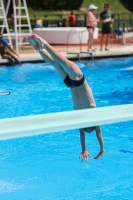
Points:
x=80 y=43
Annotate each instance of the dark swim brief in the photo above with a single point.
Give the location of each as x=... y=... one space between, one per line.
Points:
x=88 y=27
x=73 y=83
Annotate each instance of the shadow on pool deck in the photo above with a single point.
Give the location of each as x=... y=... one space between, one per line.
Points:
x=115 y=50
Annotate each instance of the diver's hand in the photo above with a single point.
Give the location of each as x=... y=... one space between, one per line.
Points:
x=99 y=155
x=84 y=155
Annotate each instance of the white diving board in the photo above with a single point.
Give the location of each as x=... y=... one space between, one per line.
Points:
x=4 y=92
x=54 y=122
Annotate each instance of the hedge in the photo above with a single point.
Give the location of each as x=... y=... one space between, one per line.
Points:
x=46 y=22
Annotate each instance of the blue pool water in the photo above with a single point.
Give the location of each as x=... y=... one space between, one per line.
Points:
x=46 y=167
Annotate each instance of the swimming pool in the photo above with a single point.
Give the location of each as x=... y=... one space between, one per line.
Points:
x=46 y=167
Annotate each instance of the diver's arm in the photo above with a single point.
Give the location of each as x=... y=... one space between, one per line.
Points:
x=84 y=154
x=101 y=143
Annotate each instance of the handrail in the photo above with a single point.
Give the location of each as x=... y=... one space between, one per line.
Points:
x=80 y=42
x=69 y=35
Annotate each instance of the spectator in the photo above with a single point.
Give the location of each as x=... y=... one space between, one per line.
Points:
x=72 y=19
x=106 y=17
x=91 y=23
x=119 y=32
x=10 y=55
x=39 y=23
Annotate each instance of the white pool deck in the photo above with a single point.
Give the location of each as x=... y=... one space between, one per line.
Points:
x=114 y=51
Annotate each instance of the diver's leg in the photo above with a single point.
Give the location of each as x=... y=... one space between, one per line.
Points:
x=47 y=58
x=69 y=67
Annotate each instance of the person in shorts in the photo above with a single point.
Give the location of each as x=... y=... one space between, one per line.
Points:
x=73 y=78
x=107 y=18
x=91 y=23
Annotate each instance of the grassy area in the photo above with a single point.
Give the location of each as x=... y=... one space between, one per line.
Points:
x=116 y=6
x=26 y=48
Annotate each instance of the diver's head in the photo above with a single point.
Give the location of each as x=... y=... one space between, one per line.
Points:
x=89 y=129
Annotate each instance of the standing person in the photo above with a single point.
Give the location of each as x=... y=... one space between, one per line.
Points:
x=73 y=78
x=10 y=55
x=71 y=20
x=91 y=23
x=106 y=17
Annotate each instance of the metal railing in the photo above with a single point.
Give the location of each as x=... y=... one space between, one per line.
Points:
x=80 y=45
x=120 y=18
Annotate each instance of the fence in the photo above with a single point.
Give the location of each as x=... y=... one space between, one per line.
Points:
x=120 y=19
x=61 y=20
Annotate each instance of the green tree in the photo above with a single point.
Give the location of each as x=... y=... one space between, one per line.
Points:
x=128 y=4
x=55 y=4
